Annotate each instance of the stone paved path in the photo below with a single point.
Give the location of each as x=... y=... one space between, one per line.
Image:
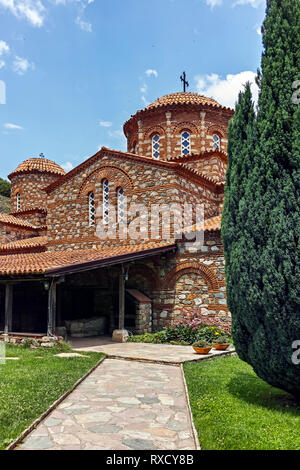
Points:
x=122 y=405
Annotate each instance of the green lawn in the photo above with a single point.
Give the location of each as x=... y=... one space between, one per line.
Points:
x=235 y=410
x=31 y=384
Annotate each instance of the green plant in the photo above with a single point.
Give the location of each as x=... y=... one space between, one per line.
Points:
x=222 y=339
x=261 y=218
x=202 y=343
x=156 y=338
x=208 y=333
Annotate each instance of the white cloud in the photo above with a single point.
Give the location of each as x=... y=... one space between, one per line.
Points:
x=2 y=64
x=84 y=25
x=144 y=88
x=67 y=166
x=9 y=125
x=4 y=47
x=226 y=91
x=214 y=3
x=150 y=72
x=31 y=10
x=105 y=124
x=253 y=3
x=21 y=65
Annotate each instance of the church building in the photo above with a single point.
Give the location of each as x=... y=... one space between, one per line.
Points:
x=59 y=273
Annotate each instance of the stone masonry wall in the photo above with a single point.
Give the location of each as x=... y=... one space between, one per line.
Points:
x=201 y=122
x=30 y=186
x=143 y=183
x=186 y=284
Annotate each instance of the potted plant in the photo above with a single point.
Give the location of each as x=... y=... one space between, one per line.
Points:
x=202 y=346
x=221 y=342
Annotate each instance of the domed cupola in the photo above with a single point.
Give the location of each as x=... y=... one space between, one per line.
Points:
x=28 y=181
x=178 y=124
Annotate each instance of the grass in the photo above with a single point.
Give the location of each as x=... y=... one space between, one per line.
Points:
x=233 y=409
x=31 y=384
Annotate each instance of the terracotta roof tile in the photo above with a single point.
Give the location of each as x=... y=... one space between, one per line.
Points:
x=214 y=223
x=39 y=263
x=38 y=164
x=26 y=245
x=12 y=220
x=183 y=98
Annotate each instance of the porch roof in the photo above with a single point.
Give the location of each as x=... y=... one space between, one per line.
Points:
x=66 y=262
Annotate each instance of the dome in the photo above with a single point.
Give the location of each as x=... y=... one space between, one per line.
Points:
x=41 y=165
x=183 y=98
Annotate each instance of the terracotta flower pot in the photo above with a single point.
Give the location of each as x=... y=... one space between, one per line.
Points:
x=202 y=350
x=221 y=347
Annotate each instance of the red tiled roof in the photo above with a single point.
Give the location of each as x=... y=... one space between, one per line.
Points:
x=214 y=223
x=41 y=263
x=9 y=219
x=27 y=245
x=41 y=165
x=183 y=98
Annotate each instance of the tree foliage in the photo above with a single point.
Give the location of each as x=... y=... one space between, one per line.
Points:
x=4 y=188
x=261 y=221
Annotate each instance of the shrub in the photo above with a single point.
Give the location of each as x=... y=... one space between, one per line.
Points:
x=156 y=338
x=202 y=343
x=222 y=339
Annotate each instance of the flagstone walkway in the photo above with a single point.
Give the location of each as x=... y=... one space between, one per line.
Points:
x=122 y=405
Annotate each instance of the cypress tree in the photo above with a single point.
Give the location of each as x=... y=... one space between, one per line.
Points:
x=262 y=233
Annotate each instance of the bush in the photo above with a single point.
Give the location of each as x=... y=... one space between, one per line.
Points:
x=222 y=339
x=202 y=343
x=184 y=332
x=156 y=338
x=190 y=331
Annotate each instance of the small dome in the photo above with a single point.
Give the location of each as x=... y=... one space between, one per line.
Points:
x=41 y=165
x=183 y=98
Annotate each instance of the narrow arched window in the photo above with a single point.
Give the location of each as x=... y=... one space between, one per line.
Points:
x=185 y=143
x=91 y=198
x=216 y=142
x=121 y=205
x=18 y=201
x=105 y=186
x=155 y=146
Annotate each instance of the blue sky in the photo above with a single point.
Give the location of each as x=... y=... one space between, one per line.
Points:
x=75 y=70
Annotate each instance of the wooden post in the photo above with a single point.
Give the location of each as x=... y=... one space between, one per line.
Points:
x=121 y=300
x=8 y=308
x=51 y=308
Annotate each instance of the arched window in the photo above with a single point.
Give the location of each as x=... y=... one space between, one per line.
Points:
x=155 y=146
x=185 y=143
x=105 y=186
x=18 y=201
x=216 y=142
x=121 y=205
x=91 y=197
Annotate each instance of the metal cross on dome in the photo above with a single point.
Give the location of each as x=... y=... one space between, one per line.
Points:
x=185 y=82
x=42 y=155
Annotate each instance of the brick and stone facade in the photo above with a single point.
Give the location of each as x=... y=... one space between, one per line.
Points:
x=190 y=169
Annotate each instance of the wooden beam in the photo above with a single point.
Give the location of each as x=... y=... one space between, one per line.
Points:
x=121 y=299
x=51 y=309
x=8 y=308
